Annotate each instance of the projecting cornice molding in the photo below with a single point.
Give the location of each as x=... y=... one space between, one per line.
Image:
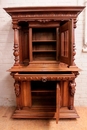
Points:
x=35 y=13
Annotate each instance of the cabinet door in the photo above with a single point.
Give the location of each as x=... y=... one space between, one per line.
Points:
x=66 y=43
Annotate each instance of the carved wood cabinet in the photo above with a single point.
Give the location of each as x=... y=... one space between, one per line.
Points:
x=44 y=70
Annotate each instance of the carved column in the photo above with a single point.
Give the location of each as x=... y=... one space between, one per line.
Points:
x=72 y=86
x=74 y=52
x=16 y=42
x=17 y=93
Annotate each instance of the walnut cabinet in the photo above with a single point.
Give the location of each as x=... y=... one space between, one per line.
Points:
x=44 y=69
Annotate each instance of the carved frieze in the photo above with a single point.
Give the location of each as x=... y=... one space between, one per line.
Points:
x=45 y=78
x=53 y=15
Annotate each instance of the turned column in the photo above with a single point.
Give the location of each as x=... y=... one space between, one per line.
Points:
x=16 y=42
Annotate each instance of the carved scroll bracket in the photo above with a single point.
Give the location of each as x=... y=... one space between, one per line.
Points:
x=76 y=73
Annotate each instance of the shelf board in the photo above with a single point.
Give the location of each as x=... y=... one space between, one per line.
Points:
x=44 y=50
x=44 y=41
x=41 y=91
x=44 y=97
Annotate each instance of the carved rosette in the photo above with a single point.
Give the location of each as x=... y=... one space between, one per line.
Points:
x=17 y=88
x=72 y=92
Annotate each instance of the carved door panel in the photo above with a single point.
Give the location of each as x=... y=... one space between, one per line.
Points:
x=66 y=42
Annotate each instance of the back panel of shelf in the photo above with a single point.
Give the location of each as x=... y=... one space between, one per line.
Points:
x=44 y=44
x=43 y=93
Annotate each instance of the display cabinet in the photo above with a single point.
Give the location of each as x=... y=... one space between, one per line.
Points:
x=44 y=69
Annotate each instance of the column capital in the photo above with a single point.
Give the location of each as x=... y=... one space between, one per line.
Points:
x=15 y=24
x=74 y=21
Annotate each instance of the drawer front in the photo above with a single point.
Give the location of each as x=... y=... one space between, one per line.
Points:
x=43 y=77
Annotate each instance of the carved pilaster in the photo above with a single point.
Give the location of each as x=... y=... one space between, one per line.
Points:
x=16 y=42
x=17 y=93
x=72 y=92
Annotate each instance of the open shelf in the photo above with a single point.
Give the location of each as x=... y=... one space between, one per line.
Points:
x=51 y=56
x=43 y=91
x=44 y=50
x=44 y=34
x=44 y=44
x=43 y=94
x=48 y=41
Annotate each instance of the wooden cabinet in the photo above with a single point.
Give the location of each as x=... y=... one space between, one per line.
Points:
x=44 y=70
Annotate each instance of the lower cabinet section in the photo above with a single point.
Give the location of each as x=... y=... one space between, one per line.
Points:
x=45 y=99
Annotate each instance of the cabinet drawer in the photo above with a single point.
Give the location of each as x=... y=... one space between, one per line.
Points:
x=43 y=77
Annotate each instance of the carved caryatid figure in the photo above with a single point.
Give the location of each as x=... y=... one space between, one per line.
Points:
x=17 y=93
x=72 y=92
x=17 y=89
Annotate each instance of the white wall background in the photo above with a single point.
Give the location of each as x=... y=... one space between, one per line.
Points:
x=7 y=96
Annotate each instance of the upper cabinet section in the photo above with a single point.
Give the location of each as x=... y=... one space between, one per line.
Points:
x=44 y=34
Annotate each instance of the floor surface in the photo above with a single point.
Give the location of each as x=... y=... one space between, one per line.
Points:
x=7 y=123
